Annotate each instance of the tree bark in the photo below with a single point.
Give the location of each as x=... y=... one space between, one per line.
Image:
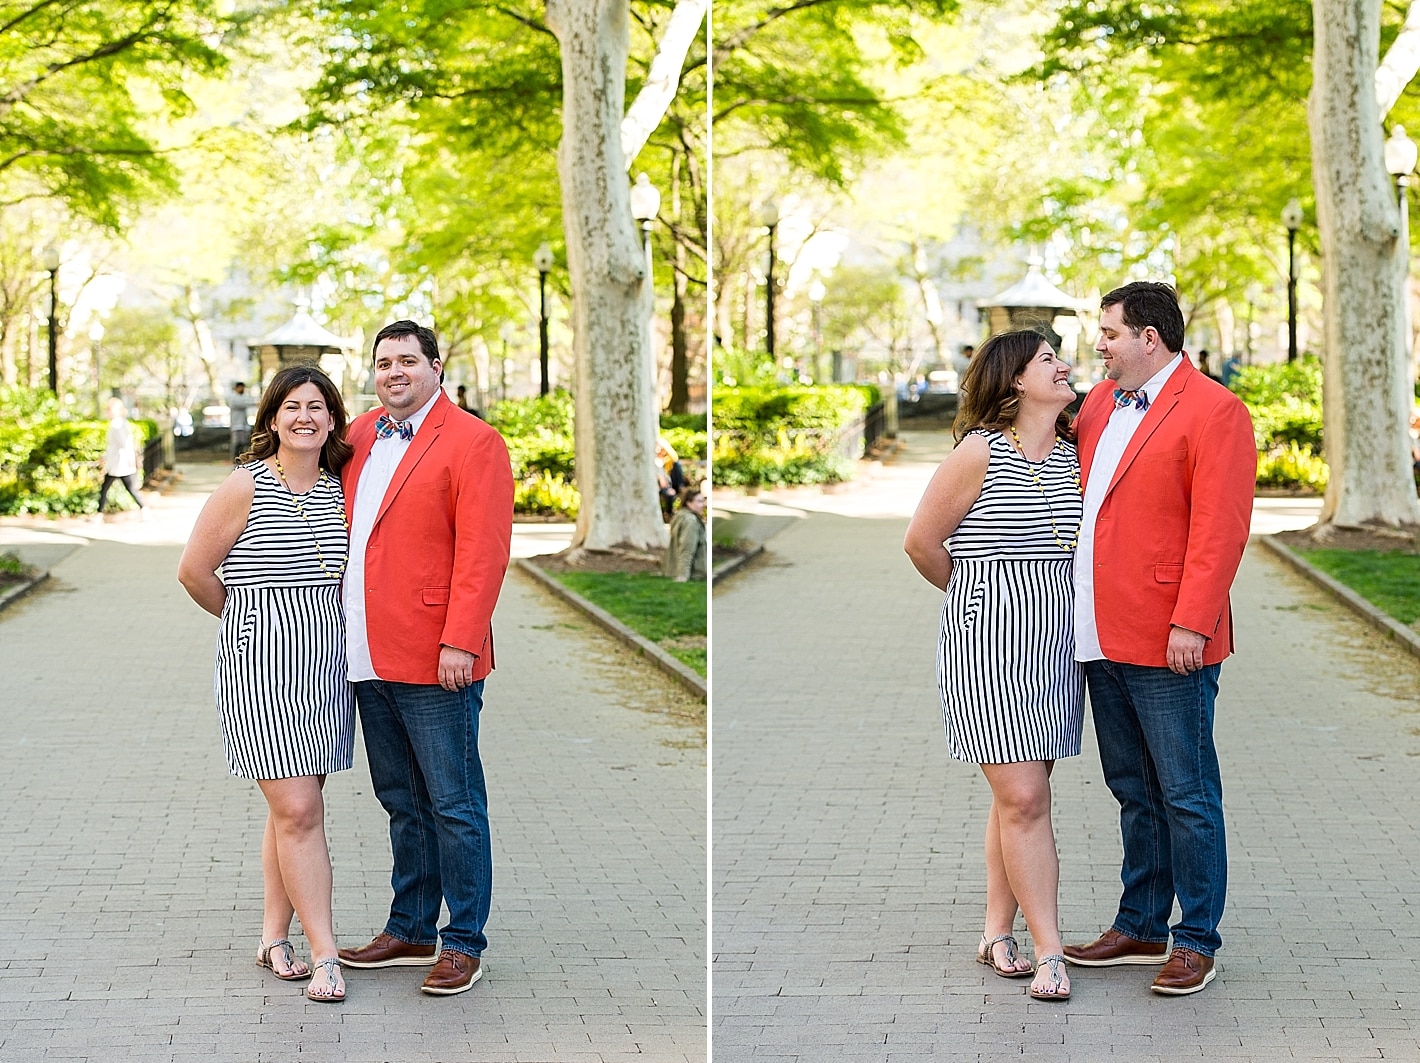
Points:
x=1367 y=388
x=611 y=291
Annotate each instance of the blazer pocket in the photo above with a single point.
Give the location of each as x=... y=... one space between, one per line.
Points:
x=1168 y=573
x=436 y=595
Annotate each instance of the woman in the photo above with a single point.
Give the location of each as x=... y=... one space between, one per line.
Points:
x=120 y=457
x=277 y=529
x=688 y=550
x=1008 y=500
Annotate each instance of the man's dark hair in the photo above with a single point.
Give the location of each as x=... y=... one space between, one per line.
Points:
x=1149 y=303
x=428 y=342
x=239 y=386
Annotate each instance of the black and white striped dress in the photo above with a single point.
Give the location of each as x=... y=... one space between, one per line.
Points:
x=1011 y=689
x=283 y=697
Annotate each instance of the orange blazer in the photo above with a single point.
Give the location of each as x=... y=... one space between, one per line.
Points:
x=1173 y=526
x=439 y=548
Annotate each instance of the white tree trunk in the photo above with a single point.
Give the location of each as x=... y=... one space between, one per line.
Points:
x=611 y=293
x=1367 y=390
x=1402 y=61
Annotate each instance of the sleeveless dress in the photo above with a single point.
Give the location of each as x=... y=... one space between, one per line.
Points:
x=283 y=697
x=1011 y=689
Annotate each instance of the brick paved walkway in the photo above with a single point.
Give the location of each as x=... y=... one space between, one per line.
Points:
x=848 y=878
x=130 y=868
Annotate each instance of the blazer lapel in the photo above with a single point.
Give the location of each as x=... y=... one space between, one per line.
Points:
x=1168 y=398
x=418 y=447
x=362 y=438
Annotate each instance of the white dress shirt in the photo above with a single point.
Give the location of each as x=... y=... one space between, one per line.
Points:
x=1123 y=423
x=375 y=477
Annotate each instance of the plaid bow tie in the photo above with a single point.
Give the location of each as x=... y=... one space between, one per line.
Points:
x=387 y=426
x=1124 y=398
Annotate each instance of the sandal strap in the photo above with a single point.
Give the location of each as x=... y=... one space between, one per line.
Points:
x=1012 y=949
x=280 y=943
x=329 y=966
x=1053 y=962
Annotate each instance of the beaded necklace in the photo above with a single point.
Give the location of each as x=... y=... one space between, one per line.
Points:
x=301 y=512
x=1035 y=475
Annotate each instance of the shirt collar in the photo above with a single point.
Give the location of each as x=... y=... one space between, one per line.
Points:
x=417 y=418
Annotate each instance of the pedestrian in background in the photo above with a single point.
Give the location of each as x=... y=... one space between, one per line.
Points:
x=1006 y=501
x=1169 y=463
x=276 y=527
x=687 y=555
x=120 y=457
x=238 y=410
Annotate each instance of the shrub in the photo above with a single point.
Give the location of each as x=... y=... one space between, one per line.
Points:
x=1290 y=465
x=49 y=465
x=1285 y=403
x=772 y=436
x=547 y=494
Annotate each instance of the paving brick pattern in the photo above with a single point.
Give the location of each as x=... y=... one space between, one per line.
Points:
x=847 y=875
x=130 y=865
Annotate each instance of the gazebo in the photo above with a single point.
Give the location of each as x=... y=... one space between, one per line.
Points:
x=302 y=341
x=1033 y=302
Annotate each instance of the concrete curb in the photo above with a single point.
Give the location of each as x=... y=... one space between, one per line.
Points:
x=734 y=564
x=1346 y=596
x=19 y=590
x=689 y=679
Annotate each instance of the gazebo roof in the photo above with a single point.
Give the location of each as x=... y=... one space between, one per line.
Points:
x=1035 y=290
x=303 y=331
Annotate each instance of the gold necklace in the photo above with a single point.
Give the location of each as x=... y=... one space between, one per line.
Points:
x=301 y=512
x=1034 y=475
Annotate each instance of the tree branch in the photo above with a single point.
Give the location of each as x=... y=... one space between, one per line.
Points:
x=649 y=107
x=1401 y=62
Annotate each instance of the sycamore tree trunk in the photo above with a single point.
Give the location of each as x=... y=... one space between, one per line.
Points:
x=611 y=291
x=1367 y=387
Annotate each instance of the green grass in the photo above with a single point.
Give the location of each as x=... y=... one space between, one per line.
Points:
x=661 y=610
x=1390 y=581
x=11 y=565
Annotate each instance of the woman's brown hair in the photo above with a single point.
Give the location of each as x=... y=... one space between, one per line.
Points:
x=264 y=442
x=989 y=398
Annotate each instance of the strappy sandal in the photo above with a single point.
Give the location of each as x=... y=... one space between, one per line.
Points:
x=986 y=954
x=291 y=974
x=329 y=967
x=1056 y=979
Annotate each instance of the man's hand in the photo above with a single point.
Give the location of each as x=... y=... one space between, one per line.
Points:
x=456 y=668
x=1185 y=653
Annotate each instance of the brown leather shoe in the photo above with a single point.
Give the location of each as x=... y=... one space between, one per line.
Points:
x=1186 y=972
x=388 y=951
x=454 y=973
x=1113 y=949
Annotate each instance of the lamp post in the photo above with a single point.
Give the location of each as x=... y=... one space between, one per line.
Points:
x=505 y=333
x=542 y=259
x=1292 y=219
x=1400 y=158
x=816 y=293
x=769 y=218
x=49 y=259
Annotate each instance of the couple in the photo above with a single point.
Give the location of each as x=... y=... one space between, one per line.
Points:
x=374 y=561
x=1115 y=564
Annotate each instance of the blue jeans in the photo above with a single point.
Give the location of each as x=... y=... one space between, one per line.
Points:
x=422 y=742
x=1155 y=731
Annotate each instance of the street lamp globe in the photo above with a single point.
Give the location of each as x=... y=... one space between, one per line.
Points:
x=1292 y=215
x=49 y=259
x=542 y=257
x=769 y=214
x=1400 y=153
x=645 y=200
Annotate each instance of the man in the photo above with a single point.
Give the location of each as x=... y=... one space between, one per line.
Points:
x=238 y=417
x=1168 y=463
x=429 y=497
